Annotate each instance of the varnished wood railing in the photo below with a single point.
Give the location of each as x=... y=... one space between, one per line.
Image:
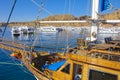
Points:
x=95 y=61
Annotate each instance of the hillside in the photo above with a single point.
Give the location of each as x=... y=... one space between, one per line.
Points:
x=112 y=16
x=59 y=17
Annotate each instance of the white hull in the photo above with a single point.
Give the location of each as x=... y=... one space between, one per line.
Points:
x=26 y=30
x=109 y=30
x=48 y=29
x=15 y=31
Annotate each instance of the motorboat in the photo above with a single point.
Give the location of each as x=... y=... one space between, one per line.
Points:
x=15 y=31
x=26 y=30
x=48 y=29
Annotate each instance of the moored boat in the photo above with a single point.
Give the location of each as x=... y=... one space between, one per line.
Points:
x=15 y=31
x=80 y=63
x=48 y=29
x=27 y=30
x=87 y=61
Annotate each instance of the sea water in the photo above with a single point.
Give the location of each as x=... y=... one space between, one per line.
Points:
x=13 y=69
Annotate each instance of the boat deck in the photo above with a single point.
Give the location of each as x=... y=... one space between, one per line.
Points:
x=109 y=59
x=94 y=56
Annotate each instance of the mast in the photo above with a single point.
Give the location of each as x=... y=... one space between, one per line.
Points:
x=94 y=28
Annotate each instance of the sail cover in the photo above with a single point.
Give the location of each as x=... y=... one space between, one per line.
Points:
x=55 y=66
x=105 y=5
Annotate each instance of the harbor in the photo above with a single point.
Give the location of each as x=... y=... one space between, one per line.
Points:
x=45 y=38
x=44 y=43
x=62 y=46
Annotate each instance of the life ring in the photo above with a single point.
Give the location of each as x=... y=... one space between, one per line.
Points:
x=77 y=77
x=94 y=34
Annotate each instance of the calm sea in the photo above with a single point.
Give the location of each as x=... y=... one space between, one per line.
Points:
x=12 y=69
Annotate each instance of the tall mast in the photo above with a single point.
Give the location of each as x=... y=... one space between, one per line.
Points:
x=94 y=28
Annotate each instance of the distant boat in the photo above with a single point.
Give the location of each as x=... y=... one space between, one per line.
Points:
x=48 y=29
x=26 y=30
x=109 y=30
x=30 y=30
x=23 y=29
x=15 y=31
x=59 y=29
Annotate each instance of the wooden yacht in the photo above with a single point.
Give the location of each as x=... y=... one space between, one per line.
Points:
x=80 y=63
x=87 y=61
x=15 y=31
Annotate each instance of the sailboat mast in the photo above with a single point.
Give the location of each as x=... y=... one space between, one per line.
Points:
x=94 y=28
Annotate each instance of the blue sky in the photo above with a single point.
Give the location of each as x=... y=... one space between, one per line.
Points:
x=26 y=10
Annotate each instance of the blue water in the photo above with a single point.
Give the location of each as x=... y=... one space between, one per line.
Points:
x=53 y=42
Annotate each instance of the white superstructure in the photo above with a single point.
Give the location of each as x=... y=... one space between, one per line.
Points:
x=48 y=29
x=111 y=30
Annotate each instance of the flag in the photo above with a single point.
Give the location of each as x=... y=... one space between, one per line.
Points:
x=105 y=5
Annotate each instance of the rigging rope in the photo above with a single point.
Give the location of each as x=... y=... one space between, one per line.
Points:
x=41 y=7
x=73 y=6
x=41 y=10
x=8 y=63
x=67 y=37
x=20 y=65
x=65 y=5
x=22 y=68
x=69 y=6
x=9 y=17
x=67 y=45
x=88 y=6
x=58 y=39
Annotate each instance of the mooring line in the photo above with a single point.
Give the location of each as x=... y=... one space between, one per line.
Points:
x=9 y=63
